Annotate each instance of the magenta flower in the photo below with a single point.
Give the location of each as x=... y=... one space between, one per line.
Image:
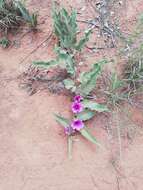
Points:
x=77 y=124
x=69 y=130
x=78 y=98
x=77 y=107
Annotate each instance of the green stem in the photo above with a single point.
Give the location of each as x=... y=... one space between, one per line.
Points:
x=70 y=142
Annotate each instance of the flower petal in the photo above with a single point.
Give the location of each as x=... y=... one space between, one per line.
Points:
x=77 y=124
x=77 y=107
x=78 y=98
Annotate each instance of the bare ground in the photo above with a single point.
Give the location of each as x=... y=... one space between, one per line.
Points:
x=32 y=145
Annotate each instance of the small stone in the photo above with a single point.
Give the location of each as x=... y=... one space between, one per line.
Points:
x=120 y=2
x=80 y=63
x=112 y=13
x=83 y=8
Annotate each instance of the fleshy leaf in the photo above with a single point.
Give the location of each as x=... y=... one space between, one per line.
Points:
x=115 y=82
x=62 y=121
x=94 y=106
x=88 y=79
x=65 y=60
x=70 y=65
x=25 y=13
x=65 y=27
x=84 y=40
x=47 y=64
x=69 y=84
x=86 y=115
x=85 y=133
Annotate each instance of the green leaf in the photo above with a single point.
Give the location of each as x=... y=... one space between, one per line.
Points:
x=85 y=133
x=2 y=2
x=65 y=27
x=4 y=42
x=94 y=106
x=69 y=84
x=115 y=82
x=65 y=60
x=70 y=65
x=74 y=27
x=62 y=121
x=88 y=79
x=86 y=76
x=70 y=144
x=86 y=115
x=25 y=13
x=84 y=40
x=47 y=64
x=33 y=21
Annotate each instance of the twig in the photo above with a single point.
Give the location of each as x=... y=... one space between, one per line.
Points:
x=103 y=20
x=119 y=135
x=90 y=22
x=35 y=49
x=118 y=183
x=94 y=48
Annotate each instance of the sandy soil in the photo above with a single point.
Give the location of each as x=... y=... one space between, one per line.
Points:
x=32 y=145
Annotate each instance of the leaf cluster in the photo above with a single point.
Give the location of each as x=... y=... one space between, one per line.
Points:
x=4 y=43
x=90 y=109
x=87 y=80
x=66 y=30
x=115 y=90
x=13 y=13
x=63 y=60
x=31 y=19
x=133 y=73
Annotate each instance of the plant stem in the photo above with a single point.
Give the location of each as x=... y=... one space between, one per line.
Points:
x=70 y=142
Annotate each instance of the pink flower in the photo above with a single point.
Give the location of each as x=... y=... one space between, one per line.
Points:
x=77 y=107
x=77 y=124
x=78 y=98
